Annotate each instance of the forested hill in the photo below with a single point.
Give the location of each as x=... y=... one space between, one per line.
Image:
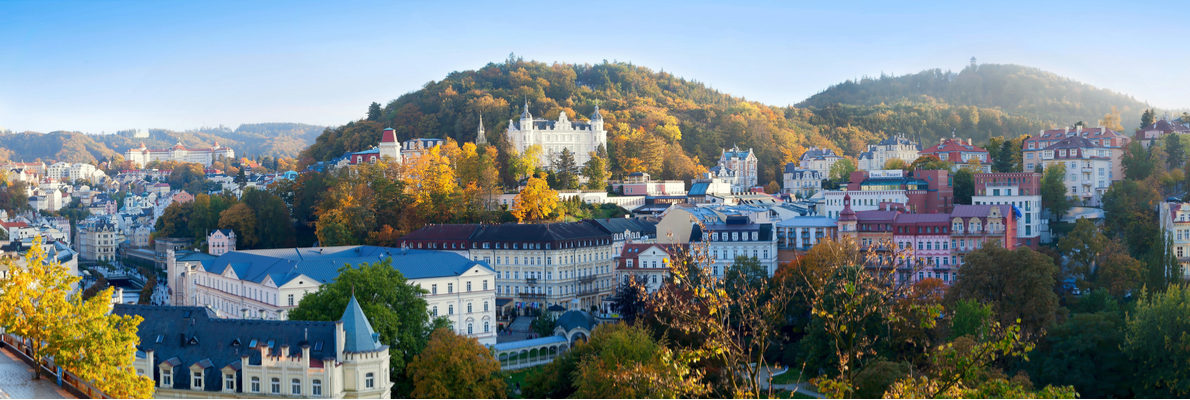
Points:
x=1017 y=90
x=248 y=140
x=659 y=123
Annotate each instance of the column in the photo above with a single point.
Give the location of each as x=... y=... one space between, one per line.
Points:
x=813 y=238
x=799 y=237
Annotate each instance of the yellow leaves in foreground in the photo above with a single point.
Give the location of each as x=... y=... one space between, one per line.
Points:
x=38 y=302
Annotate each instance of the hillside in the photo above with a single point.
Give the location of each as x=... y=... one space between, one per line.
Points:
x=1014 y=89
x=668 y=126
x=249 y=140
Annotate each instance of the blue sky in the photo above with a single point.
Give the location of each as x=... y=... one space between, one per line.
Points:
x=104 y=66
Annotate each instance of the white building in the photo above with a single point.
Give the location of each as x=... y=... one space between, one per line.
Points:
x=97 y=240
x=569 y=264
x=581 y=138
x=736 y=167
x=1088 y=167
x=647 y=264
x=1018 y=189
x=266 y=284
x=1175 y=227
x=739 y=236
x=861 y=200
x=801 y=182
x=894 y=147
x=202 y=155
x=820 y=160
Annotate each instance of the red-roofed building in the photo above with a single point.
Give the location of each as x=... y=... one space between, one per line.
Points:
x=958 y=152
x=647 y=263
x=1152 y=133
x=1037 y=149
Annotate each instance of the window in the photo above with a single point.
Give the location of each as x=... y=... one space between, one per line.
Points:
x=295 y=386
x=316 y=387
x=256 y=384
x=450 y=310
x=275 y=384
x=485 y=284
x=290 y=299
x=486 y=327
x=370 y=380
x=468 y=308
x=167 y=377
x=470 y=330
x=434 y=311
x=468 y=286
x=229 y=382
x=196 y=380
x=434 y=287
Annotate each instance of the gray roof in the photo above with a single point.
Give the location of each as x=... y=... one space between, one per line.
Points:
x=576 y=319
x=638 y=225
x=186 y=336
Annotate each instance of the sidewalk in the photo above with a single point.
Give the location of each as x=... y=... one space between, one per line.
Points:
x=16 y=380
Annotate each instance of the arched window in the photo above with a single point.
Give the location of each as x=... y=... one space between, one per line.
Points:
x=316 y=387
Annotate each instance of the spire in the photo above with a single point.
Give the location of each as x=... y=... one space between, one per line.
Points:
x=525 y=114
x=596 y=116
x=359 y=334
x=480 y=138
x=847 y=214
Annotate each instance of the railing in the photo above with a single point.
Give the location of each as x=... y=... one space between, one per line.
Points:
x=531 y=281
x=69 y=381
x=586 y=279
x=529 y=295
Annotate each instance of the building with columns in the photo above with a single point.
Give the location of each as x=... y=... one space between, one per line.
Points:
x=188 y=352
x=802 y=233
x=266 y=284
x=581 y=138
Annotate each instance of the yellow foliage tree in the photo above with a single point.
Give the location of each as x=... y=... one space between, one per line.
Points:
x=81 y=335
x=536 y=201
x=453 y=366
x=33 y=301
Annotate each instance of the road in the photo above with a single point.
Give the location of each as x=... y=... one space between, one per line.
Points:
x=16 y=380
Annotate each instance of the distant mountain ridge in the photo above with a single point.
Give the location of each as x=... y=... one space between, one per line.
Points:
x=276 y=139
x=1017 y=90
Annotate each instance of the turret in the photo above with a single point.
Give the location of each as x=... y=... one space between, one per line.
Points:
x=847 y=219
x=389 y=146
x=481 y=139
x=526 y=118
x=596 y=120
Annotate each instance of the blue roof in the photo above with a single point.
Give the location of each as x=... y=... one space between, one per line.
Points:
x=506 y=346
x=323 y=263
x=808 y=221
x=360 y=336
x=699 y=189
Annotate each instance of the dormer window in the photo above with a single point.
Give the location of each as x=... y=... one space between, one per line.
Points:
x=229 y=382
x=196 y=380
x=167 y=377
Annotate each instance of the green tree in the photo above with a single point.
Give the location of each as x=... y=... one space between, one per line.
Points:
x=929 y=163
x=1148 y=118
x=1156 y=341
x=969 y=317
x=374 y=111
x=565 y=170
x=544 y=324
x=1137 y=161
x=623 y=361
x=1175 y=152
x=1053 y=191
x=395 y=308
x=1018 y=283
x=964 y=185
x=455 y=367
x=842 y=169
x=189 y=177
x=1085 y=352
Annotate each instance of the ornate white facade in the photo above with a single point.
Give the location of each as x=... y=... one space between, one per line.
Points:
x=895 y=147
x=205 y=156
x=737 y=167
x=581 y=138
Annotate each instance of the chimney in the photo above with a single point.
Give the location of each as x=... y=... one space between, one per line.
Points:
x=284 y=351
x=968 y=141
x=340 y=340
x=306 y=352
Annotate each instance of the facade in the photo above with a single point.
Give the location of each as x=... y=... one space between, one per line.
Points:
x=737 y=167
x=202 y=155
x=388 y=147
x=569 y=264
x=266 y=284
x=190 y=353
x=1175 y=227
x=802 y=233
x=1152 y=133
x=739 y=236
x=894 y=147
x=929 y=245
x=414 y=148
x=1100 y=138
x=640 y=184
x=921 y=191
x=97 y=240
x=960 y=154
x=581 y=138
x=1089 y=166
x=820 y=160
x=1018 y=189
x=221 y=241
x=646 y=263
x=801 y=182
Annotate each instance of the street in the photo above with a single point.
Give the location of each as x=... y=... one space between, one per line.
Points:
x=16 y=380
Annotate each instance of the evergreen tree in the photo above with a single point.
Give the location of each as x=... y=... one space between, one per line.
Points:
x=1148 y=118
x=566 y=170
x=1175 y=152
x=1053 y=190
x=374 y=112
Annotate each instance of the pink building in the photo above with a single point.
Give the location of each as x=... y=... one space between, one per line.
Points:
x=221 y=241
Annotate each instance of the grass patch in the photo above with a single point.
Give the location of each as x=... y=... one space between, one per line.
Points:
x=518 y=377
x=790 y=376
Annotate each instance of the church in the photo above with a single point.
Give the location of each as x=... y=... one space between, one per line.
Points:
x=553 y=136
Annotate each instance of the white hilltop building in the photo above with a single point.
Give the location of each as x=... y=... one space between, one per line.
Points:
x=581 y=138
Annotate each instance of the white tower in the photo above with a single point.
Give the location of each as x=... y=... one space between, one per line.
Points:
x=480 y=138
x=389 y=146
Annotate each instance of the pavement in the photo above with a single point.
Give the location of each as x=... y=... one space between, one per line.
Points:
x=800 y=387
x=520 y=329
x=16 y=380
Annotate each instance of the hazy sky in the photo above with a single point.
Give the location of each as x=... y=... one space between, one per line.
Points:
x=104 y=66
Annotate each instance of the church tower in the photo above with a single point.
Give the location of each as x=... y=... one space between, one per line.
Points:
x=389 y=146
x=481 y=139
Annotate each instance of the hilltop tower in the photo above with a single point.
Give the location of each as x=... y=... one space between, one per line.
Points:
x=389 y=146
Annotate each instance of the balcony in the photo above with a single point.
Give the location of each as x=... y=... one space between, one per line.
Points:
x=586 y=279
x=587 y=292
x=531 y=281
x=528 y=295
